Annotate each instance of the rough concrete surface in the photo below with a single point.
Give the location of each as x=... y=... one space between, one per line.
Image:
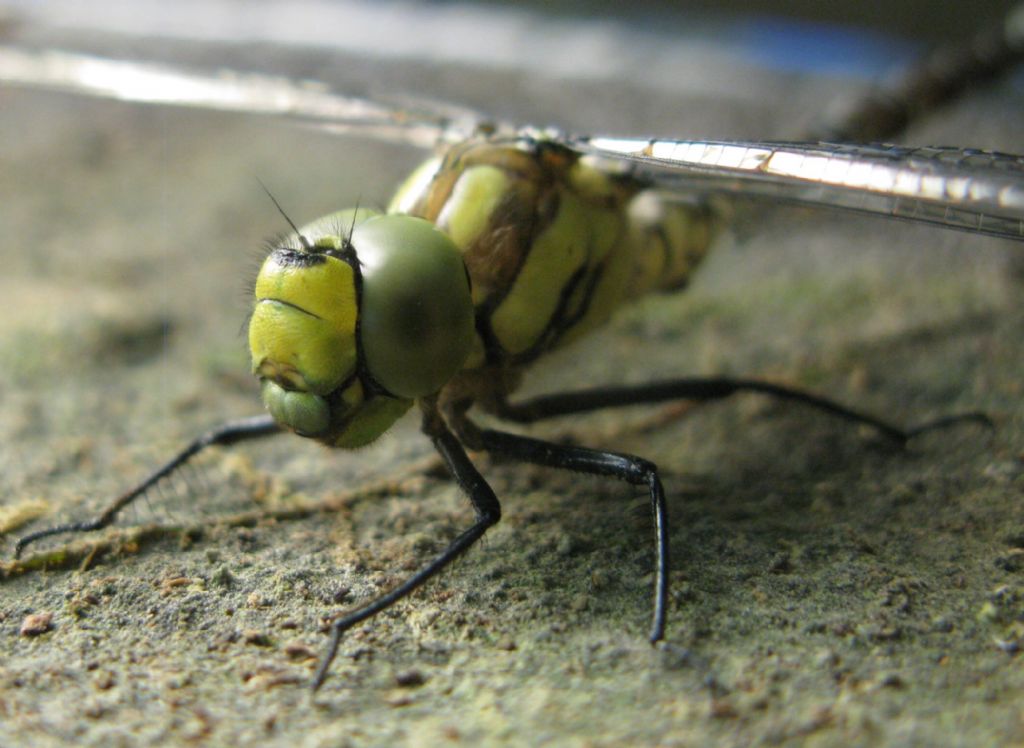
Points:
x=828 y=588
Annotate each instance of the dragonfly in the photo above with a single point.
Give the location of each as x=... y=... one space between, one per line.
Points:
x=524 y=239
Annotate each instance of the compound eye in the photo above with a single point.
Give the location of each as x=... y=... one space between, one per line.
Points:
x=416 y=313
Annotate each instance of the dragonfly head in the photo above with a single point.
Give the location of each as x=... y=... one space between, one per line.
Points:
x=356 y=316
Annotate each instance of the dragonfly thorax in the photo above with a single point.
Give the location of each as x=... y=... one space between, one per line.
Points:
x=554 y=244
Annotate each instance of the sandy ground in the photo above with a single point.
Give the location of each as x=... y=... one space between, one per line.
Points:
x=828 y=589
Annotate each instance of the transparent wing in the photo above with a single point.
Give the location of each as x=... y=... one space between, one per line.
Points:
x=955 y=188
x=303 y=102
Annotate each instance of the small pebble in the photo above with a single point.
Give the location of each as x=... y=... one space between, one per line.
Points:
x=36 y=624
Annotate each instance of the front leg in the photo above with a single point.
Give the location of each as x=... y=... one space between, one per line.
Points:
x=485 y=506
x=231 y=432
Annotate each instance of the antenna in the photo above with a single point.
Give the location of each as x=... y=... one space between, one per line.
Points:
x=303 y=240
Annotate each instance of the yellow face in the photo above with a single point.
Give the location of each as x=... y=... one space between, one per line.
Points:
x=359 y=315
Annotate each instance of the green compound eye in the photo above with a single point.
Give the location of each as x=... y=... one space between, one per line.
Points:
x=416 y=314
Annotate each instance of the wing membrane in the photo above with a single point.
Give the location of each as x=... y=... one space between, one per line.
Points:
x=965 y=189
x=303 y=102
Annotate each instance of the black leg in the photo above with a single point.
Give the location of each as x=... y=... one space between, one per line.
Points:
x=701 y=389
x=488 y=512
x=228 y=433
x=633 y=470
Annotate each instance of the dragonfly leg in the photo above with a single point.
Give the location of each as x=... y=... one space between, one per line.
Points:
x=629 y=468
x=488 y=512
x=227 y=433
x=706 y=389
